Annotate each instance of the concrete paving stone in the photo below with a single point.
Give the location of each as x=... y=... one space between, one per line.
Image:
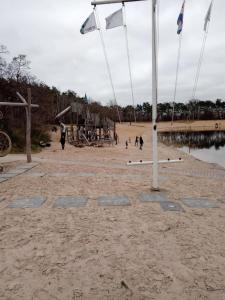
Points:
x=27 y=166
x=85 y=174
x=7 y=175
x=153 y=197
x=34 y=174
x=82 y=174
x=16 y=171
x=171 y=206
x=3 y=179
x=24 y=168
x=199 y=203
x=162 y=179
x=113 y=201
x=27 y=202
x=70 y=201
x=59 y=174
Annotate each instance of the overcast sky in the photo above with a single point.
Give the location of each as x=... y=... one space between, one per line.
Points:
x=48 y=32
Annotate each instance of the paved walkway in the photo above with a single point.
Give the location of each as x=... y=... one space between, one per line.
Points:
x=17 y=171
x=116 y=200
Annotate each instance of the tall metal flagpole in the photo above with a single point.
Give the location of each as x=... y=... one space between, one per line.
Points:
x=128 y=58
x=176 y=79
x=155 y=182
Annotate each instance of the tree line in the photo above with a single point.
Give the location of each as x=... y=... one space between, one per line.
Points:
x=192 y=110
x=16 y=75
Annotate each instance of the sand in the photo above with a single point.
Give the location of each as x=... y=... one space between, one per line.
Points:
x=132 y=252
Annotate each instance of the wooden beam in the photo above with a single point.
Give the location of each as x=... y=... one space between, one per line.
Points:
x=18 y=104
x=63 y=112
x=113 y=1
x=28 y=126
x=21 y=98
x=27 y=105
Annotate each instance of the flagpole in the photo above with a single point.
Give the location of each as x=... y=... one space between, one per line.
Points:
x=199 y=66
x=206 y=28
x=155 y=182
x=179 y=31
x=128 y=58
x=176 y=79
x=106 y=60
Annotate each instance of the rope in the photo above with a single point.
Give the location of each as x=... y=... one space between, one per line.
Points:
x=106 y=60
x=128 y=58
x=177 y=73
x=200 y=59
x=199 y=65
x=200 y=62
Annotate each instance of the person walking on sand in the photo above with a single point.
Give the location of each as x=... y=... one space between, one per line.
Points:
x=63 y=135
x=126 y=145
x=63 y=140
x=136 y=141
x=141 y=142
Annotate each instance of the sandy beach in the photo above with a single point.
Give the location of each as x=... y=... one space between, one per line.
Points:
x=137 y=251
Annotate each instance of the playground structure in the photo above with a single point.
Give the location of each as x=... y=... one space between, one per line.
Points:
x=5 y=144
x=88 y=129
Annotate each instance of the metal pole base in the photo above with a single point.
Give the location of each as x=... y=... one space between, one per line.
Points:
x=155 y=189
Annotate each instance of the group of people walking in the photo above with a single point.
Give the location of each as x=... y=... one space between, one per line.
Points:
x=139 y=142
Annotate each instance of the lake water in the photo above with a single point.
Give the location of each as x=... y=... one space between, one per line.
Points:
x=206 y=146
x=211 y=155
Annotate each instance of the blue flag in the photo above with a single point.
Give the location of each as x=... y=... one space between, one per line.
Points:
x=180 y=19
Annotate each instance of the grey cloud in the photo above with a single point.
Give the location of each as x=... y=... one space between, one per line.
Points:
x=48 y=33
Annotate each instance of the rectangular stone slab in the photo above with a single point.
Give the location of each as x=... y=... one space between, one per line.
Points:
x=199 y=203
x=7 y=175
x=3 y=179
x=70 y=201
x=27 y=202
x=171 y=206
x=16 y=171
x=27 y=166
x=34 y=174
x=153 y=197
x=59 y=174
x=113 y=201
x=85 y=174
x=2 y=199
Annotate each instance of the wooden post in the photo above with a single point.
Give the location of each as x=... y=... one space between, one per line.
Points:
x=27 y=104
x=28 y=126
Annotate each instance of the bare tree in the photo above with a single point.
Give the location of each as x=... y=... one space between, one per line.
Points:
x=3 y=49
x=3 y=63
x=18 y=68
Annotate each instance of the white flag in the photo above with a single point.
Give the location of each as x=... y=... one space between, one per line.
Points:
x=115 y=19
x=89 y=25
x=207 y=17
